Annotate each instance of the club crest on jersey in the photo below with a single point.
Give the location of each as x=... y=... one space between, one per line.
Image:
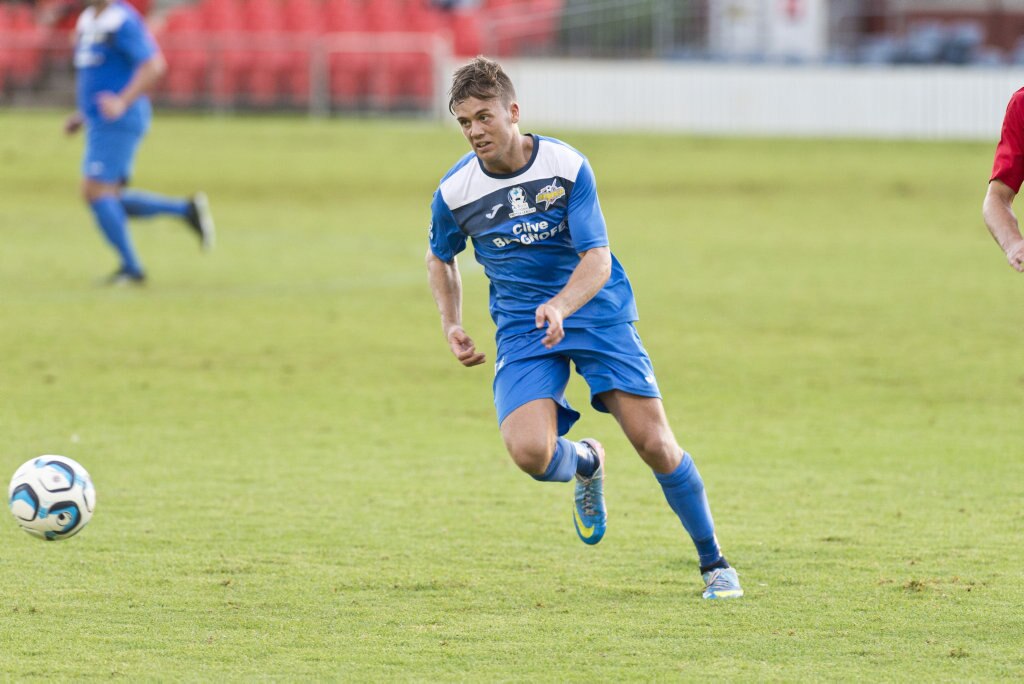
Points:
x=549 y=194
x=520 y=206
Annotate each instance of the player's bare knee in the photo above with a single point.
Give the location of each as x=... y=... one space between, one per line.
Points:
x=92 y=190
x=659 y=450
x=531 y=455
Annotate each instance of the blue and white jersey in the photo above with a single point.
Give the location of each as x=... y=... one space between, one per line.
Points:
x=109 y=47
x=528 y=229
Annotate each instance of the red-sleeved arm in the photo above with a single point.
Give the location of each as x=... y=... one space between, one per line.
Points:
x=1009 y=162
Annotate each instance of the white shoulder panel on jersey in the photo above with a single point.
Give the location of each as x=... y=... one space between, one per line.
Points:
x=108 y=22
x=470 y=183
x=85 y=17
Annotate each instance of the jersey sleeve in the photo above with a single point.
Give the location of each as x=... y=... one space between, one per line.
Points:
x=586 y=222
x=446 y=240
x=1008 y=166
x=134 y=40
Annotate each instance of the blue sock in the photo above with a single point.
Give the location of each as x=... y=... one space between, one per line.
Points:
x=113 y=221
x=141 y=203
x=562 y=467
x=684 y=490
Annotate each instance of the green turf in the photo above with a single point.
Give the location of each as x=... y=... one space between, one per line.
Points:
x=297 y=481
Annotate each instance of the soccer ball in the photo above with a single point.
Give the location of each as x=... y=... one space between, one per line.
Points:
x=51 y=497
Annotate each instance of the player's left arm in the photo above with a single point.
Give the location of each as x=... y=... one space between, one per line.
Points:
x=587 y=279
x=114 y=105
x=134 y=41
x=590 y=239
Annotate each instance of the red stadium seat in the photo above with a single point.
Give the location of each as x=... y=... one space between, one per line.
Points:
x=343 y=15
x=522 y=26
x=184 y=19
x=143 y=6
x=303 y=16
x=23 y=61
x=303 y=19
x=467 y=33
x=541 y=31
x=389 y=72
x=224 y=19
x=187 y=58
x=264 y=21
x=6 y=52
x=221 y=15
x=423 y=17
x=347 y=70
x=385 y=15
x=413 y=72
x=262 y=16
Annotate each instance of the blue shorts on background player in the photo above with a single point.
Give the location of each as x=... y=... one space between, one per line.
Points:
x=117 y=62
x=558 y=297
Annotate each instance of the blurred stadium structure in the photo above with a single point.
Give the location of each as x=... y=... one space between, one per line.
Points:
x=329 y=56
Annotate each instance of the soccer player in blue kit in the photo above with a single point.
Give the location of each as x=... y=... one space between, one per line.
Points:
x=557 y=294
x=117 y=62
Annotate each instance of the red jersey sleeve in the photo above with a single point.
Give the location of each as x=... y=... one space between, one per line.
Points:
x=1009 y=163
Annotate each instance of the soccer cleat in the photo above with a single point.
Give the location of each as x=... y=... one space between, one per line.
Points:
x=124 y=278
x=200 y=220
x=722 y=583
x=589 y=515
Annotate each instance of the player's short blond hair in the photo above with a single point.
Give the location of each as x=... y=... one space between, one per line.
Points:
x=483 y=79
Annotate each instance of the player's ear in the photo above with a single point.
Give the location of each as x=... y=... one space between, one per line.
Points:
x=513 y=110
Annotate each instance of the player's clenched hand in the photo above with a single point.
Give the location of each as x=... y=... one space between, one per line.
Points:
x=552 y=316
x=112 y=106
x=463 y=347
x=1015 y=255
x=73 y=123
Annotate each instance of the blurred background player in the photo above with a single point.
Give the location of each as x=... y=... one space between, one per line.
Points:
x=558 y=295
x=1005 y=182
x=117 y=62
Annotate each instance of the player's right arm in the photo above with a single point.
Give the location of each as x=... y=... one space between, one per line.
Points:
x=73 y=123
x=447 y=240
x=446 y=286
x=1002 y=222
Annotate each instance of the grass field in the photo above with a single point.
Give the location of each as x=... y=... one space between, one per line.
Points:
x=297 y=481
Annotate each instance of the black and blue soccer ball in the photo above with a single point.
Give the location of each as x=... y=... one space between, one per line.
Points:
x=51 y=497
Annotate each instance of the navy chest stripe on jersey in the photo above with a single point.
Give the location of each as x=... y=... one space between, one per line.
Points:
x=543 y=199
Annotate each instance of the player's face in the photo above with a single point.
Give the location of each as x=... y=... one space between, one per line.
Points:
x=490 y=127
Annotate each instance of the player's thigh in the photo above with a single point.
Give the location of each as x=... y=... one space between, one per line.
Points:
x=528 y=380
x=531 y=429
x=645 y=424
x=613 y=358
x=109 y=154
x=93 y=189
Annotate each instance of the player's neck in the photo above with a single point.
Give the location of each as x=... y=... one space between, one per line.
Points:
x=519 y=155
x=526 y=146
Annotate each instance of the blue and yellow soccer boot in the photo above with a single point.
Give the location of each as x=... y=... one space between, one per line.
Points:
x=589 y=514
x=722 y=583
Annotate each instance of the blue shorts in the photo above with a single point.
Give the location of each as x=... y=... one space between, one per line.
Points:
x=109 y=153
x=608 y=358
